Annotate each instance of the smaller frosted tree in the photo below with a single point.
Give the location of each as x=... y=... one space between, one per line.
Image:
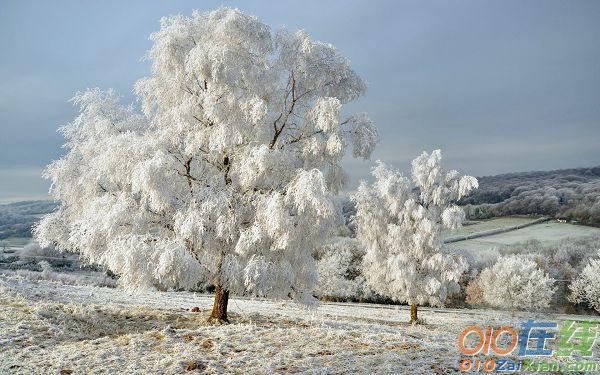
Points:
x=586 y=288
x=516 y=282
x=400 y=222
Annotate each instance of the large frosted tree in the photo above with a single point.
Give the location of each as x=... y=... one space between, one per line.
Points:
x=400 y=221
x=226 y=175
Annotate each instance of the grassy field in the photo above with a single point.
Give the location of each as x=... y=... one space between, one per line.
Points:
x=547 y=232
x=491 y=224
x=17 y=241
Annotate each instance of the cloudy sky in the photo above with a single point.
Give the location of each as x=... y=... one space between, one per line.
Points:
x=500 y=86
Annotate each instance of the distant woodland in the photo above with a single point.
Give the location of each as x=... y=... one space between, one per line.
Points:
x=16 y=219
x=570 y=194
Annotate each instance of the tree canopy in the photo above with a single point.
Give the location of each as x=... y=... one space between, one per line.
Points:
x=226 y=174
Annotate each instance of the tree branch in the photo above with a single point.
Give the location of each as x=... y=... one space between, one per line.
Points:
x=302 y=137
x=278 y=131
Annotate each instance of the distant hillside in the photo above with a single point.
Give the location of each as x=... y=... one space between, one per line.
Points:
x=16 y=219
x=570 y=193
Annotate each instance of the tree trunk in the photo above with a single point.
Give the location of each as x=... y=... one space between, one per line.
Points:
x=219 y=311
x=413 y=314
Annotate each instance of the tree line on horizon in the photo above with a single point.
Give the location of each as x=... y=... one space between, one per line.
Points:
x=570 y=194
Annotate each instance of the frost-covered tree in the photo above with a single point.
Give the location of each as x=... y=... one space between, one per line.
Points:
x=400 y=221
x=586 y=287
x=515 y=282
x=227 y=173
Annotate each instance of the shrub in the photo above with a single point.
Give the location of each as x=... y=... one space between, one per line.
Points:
x=515 y=282
x=339 y=271
x=475 y=293
x=586 y=288
x=34 y=253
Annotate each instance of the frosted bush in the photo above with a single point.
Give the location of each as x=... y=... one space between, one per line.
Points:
x=34 y=253
x=339 y=273
x=586 y=287
x=562 y=260
x=516 y=283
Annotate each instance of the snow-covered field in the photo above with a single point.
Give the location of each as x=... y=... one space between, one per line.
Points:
x=491 y=224
x=17 y=241
x=48 y=327
x=547 y=233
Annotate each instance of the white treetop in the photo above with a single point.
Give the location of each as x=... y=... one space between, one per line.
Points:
x=586 y=287
x=516 y=283
x=226 y=174
x=400 y=221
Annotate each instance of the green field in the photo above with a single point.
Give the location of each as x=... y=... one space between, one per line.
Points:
x=547 y=232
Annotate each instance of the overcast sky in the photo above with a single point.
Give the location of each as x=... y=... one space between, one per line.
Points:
x=499 y=86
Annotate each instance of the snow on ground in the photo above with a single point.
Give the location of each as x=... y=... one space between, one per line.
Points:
x=48 y=327
x=548 y=232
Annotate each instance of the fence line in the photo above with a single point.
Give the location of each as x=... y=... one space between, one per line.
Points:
x=492 y=232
